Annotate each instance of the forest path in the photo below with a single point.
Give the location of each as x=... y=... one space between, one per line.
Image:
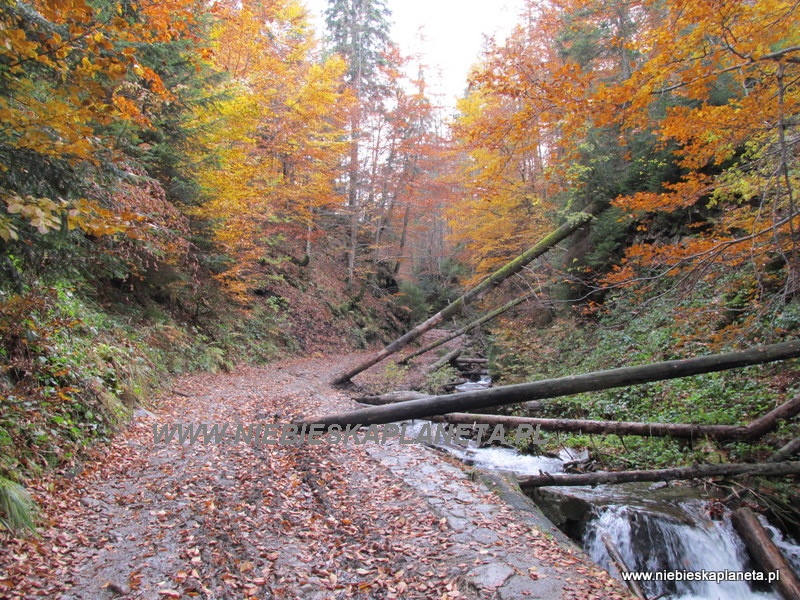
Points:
x=150 y=520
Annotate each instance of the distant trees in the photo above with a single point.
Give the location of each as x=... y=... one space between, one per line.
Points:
x=395 y=152
x=359 y=32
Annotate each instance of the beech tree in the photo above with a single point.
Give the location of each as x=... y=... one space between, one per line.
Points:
x=277 y=136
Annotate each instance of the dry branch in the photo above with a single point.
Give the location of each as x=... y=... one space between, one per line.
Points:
x=621 y=565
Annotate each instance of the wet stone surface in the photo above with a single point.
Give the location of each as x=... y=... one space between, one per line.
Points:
x=510 y=552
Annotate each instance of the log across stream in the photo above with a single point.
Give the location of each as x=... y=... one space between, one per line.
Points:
x=654 y=527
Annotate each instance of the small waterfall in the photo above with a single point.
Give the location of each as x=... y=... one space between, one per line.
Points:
x=661 y=533
x=682 y=540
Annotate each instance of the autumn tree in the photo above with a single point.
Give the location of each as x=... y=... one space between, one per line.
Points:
x=730 y=119
x=80 y=84
x=278 y=136
x=678 y=115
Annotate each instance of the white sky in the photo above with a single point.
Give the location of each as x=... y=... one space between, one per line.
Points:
x=452 y=35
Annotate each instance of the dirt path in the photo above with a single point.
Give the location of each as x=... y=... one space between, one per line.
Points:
x=154 y=521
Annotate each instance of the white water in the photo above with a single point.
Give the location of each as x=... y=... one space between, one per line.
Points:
x=682 y=537
x=470 y=386
x=499 y=458
x=506 y=459
x=660 y=542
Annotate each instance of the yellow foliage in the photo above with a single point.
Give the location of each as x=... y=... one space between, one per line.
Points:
x=278 y=139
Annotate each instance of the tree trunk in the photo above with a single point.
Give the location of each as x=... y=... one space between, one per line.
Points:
x=565 y=386
x=466 y=329
x=392 y=398
x=767 y=422
x=455 y=307
x=403 y=238
x=754 y=430
x=696 y=472
x=447 y=358
x=352 y=189
x=765 y=553
x=786 y=451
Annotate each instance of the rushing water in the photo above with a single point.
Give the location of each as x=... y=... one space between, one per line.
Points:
x=651 y=535
x=653 y=542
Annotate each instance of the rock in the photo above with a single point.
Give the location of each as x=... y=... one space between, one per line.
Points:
x=143 y=413
x=490 y=576
x=533 y=407
x=121 y=589
x=92 y=502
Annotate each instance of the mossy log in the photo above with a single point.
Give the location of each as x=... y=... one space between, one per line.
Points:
x=513 y=267
x=565 y=386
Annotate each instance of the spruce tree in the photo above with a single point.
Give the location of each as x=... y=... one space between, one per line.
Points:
x=359 y=31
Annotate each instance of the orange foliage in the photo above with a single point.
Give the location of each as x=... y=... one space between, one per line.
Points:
x=67 y=71
x=715 y=81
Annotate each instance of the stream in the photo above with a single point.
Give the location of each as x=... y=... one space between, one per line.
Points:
x=654 y=527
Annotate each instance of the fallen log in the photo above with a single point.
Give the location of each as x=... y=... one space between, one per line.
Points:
x=513 y=267
x=786 y=451
x=472 y=361
x=448 y=358
x=766 y=423
x=695 y=472
x=756 y=429
x=447 y=387
x=565 y=386
x=765 y=553
x=466 y=329
x=588 y=426
x=392 y=397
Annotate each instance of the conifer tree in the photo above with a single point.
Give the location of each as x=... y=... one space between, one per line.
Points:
x=358 y=30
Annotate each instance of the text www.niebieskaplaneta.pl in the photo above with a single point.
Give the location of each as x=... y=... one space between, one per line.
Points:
x=258 y=434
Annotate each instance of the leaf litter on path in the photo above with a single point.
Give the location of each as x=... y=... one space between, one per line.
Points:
x=154 y=521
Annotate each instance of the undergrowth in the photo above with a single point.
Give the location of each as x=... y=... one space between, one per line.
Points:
x=635 y=331
x=73 y=370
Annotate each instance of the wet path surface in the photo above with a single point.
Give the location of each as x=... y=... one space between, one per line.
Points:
x=236 y=520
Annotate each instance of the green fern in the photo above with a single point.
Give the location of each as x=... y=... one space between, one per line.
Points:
x=17 y=508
